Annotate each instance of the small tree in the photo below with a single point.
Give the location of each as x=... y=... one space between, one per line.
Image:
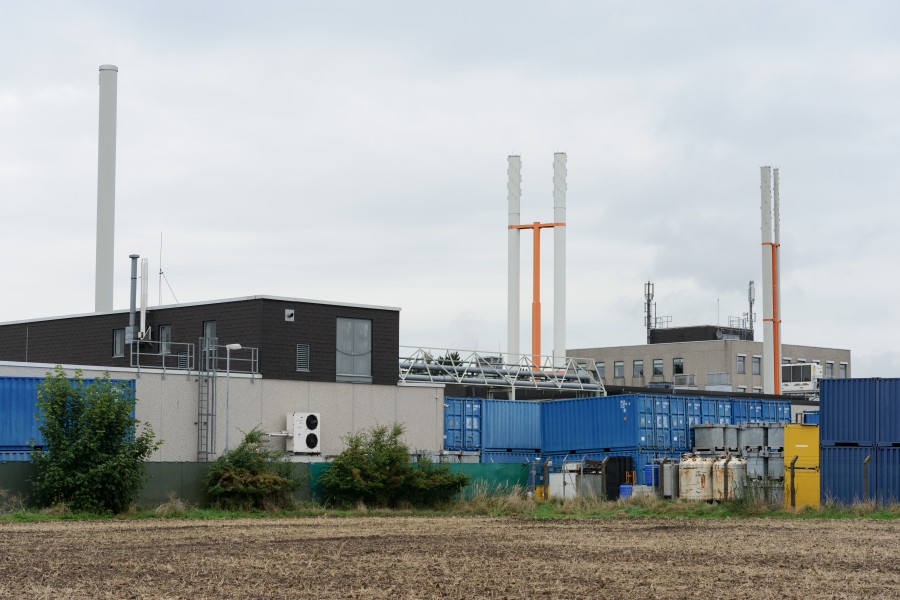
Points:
x=93 y=458
x=375 y=469
x=251 y=476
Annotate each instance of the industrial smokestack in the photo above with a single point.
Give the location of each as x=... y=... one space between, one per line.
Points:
x=771 y=281
x=131 y=331
x=106 y=189
x=559 y=258
x=514 y=198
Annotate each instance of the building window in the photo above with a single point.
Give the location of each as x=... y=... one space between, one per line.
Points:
x=741 y=364
x=678 y=366
x=619 y=369
x=209 y=332
x=742 y=388
x=785 y=360
x=757 y=365
x=757 y=390
x=829 y=369
x=354 y=350
x=657 y=367
x=165 y=339
x=601 y=370
x=303 y=358
x=801 y=360
x=118 y=343
x=842 y=370
x=638 y=369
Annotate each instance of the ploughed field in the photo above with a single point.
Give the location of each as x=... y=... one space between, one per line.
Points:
x=451 y=557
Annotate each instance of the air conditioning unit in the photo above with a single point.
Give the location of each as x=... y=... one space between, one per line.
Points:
x=307 y=433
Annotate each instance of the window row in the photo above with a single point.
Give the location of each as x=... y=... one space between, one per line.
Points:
x=827 y=372
x=637 y=368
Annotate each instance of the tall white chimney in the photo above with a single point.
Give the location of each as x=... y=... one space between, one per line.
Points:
x=106 y=189
x=559 y=258
x=514 y=199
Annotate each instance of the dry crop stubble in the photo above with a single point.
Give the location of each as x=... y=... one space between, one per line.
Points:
x=451 y=557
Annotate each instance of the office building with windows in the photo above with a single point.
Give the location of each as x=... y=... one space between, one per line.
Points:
x=705 y=359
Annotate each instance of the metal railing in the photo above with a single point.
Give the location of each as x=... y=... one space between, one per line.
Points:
x=468 y=367
x=168 y=356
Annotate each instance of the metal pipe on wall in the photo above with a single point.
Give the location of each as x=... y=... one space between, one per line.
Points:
x=106 y=189
x=559 y=257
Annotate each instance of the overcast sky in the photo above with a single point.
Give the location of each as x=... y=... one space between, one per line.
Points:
x=356 y=152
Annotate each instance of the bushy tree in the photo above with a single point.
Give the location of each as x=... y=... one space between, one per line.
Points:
x=93 y=458
x=375 y=469
x=251 y=476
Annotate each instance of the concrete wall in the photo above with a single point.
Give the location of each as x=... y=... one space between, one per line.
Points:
x=702 y=358
x=169 y=404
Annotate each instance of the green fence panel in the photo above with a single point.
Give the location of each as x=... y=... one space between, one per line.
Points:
x=15 y=479
x=315 y=490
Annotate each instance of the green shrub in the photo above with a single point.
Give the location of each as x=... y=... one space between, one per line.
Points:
x=251 y=476
x=375 y=470
x=93 y=458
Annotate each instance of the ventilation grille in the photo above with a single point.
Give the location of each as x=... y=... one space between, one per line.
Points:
x=303 y=357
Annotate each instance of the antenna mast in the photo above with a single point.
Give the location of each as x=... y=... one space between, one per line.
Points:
x=649 y=309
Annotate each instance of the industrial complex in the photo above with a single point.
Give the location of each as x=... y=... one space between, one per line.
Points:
x=698 y=412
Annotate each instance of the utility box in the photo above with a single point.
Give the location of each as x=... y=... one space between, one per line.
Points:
x=306 y=430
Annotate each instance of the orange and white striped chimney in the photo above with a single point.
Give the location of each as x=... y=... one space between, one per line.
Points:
x=771 y=263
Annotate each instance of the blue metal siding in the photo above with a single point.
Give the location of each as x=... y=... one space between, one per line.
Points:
x=15 y=456
x=509 y=457
x=510 y=425
x=810 y=417
x=18 y=409
x=462 y=424
x=847 y=410
x=888 y=478
x=842 y=475
x=888 y=413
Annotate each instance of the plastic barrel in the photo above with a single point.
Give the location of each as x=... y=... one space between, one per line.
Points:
x=625 y=490
x=651 y=474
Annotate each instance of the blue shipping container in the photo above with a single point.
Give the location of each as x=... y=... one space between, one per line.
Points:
x=810 y=417
x=888 y=477
x=462 y=424
x=847 y=410
x=509 y=457
x=842 y=471
x=511 y=425
x=18 y=409
x=15 y=456
x=888 y=413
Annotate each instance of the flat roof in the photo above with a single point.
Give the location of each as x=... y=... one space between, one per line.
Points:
x=220 y=301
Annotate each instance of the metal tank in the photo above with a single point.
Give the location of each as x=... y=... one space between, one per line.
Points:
x=695 y=477
x=737 y=478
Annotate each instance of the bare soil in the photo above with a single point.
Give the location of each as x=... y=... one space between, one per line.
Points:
x=451 y=557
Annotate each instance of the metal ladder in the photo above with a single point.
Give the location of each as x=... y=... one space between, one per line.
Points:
x=206 y=401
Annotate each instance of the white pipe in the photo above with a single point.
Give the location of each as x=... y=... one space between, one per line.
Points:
x=106 y=189
x=765 y=187
x=559 y=258
x=144 y=268
x=777 y=281
x=514 y=199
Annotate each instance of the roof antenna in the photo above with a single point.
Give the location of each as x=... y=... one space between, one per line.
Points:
x=162 y=276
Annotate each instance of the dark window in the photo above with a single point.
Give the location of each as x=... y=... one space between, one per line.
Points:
x=209 y=332
x=601 y=370
x=741 y=364
x=354 y=350
x=619 y=369
x=757 y=365
x=637 y=369
x=842 y=370
x=657 y=367
x=165 y=339
x=678 y=366
x=303 y=357
x=829 y=369
x=118 y=342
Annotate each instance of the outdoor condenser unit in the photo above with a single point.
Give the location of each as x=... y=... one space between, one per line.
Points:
x=307 y=433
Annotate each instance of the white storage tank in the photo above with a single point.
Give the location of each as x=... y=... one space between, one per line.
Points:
x=737 y=478
x=695 y=477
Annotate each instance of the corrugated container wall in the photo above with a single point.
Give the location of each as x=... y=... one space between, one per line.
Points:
x=462 y=424
x=509 y=457
x=18 y=404
x=843 y=474
x=888 y=474
x=593 y=424
x=847 y=412
x=511 y=425
x=888 y=414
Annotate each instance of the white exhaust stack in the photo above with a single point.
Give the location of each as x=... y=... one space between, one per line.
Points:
x=106 y=189
x=559 y=258
x=514 y=200
x=144 y=281
x=771 y=300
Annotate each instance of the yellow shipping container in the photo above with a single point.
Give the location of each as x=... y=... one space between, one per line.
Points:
x=806 y=487
x=802 y=441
